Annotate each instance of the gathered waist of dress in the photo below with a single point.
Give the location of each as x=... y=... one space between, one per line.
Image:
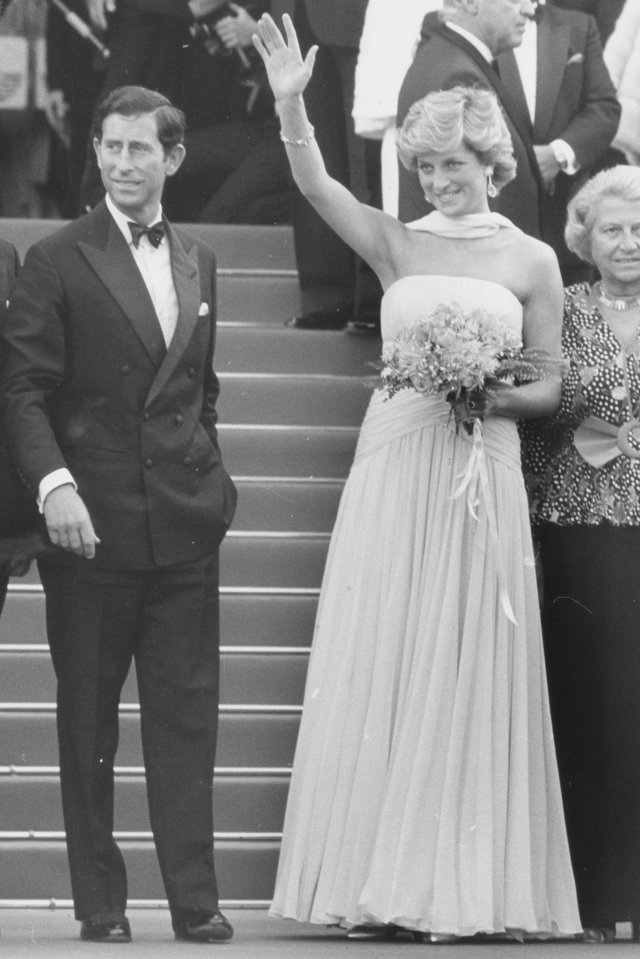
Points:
x=387 y=420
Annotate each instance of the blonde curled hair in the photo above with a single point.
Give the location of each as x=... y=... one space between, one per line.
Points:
x=446 y=118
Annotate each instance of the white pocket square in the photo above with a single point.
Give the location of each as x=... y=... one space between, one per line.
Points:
x=204 y=309
x=576 y=58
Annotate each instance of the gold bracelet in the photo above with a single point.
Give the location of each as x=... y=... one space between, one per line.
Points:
x=304 y=142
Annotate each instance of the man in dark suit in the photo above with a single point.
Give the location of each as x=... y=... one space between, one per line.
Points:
x=18 y=515
x=147 y=40
x=574 y=120
x=569 y=102
x=111 y=416
x=333 y=288
x=606 y=12
x=463 y=49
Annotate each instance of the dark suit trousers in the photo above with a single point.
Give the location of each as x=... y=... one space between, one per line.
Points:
x=325 y=263
x=166 y=620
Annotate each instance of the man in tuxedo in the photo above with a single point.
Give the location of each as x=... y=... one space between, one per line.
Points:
x=18 y=516
x=558 y=99
x=111 y=416
x=459 y=46
x=606 y=12
x=334 y=288
x=562 y=88
x=147 y=40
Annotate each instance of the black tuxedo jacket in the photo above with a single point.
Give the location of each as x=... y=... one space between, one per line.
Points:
x=575 y=101
x=90 y=385
x=445 y=59
x=336 y=23
x=606 y=12
x=18 y=512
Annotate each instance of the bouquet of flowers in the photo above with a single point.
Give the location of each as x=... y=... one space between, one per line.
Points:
x=461 y=353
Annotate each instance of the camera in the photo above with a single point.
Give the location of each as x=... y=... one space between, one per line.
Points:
x=207 y=14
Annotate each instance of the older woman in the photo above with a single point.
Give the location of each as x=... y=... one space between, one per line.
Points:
x=586 y=493
x=425 y=792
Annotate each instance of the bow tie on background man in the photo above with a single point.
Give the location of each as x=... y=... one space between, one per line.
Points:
x=155 y=233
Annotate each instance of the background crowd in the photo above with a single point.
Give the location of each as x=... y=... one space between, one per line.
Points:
x=200 y=55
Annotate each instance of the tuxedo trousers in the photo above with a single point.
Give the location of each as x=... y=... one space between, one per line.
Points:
x=330 y=275
x=166 y=620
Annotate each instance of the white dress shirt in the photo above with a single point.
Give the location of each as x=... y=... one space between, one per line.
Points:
x=527 y=60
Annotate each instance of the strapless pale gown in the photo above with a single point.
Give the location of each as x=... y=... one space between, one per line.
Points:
x=425 y=790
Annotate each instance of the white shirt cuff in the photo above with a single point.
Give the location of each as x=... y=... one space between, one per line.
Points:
x=565 y=157
x=51 y=481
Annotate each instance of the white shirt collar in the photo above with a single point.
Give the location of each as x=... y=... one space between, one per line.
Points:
x=479 y=44
x=122 y=220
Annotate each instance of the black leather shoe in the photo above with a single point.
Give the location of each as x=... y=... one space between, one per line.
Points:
x=92 y=931
x=364 y=327
x=371 y=932
x=597 y=935
x=204 y=927
x=320 y=320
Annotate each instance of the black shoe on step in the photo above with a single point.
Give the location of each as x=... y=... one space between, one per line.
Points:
x=320 y=320
x=204 y=926
x=98 y=931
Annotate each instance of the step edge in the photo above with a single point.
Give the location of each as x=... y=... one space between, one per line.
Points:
x=254 y=479
x=227 y=709
x=288 y=428
x=259 y=272
x=353 y=380
x=293 y=591
x=276 y=534
x=31 y=649
x=132 y=904
x=124 y=772
x=146 y=836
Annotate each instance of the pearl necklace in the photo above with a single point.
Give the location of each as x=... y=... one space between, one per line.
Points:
x=617 y=303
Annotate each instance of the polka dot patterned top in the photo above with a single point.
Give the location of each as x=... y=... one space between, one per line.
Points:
x=579 y=465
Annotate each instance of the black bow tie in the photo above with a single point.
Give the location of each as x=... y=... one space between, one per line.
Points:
x=155 y=233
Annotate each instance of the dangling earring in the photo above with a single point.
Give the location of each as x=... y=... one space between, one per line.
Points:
x=491 y=187
x=427 y=199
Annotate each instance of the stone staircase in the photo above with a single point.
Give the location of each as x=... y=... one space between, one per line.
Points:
x=291 y=402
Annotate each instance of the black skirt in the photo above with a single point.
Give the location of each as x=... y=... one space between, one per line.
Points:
x=591 y=621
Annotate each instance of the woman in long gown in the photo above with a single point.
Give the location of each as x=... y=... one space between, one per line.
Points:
x=425 y=792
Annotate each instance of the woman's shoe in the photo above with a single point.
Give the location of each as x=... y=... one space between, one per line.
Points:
x=435 y=938
x=597 y=935
x=371 y=932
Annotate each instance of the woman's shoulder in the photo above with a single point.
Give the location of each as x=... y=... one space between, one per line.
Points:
x=537 y=251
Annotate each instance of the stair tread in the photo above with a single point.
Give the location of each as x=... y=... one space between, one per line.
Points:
x=259 y=247
x=38 y=869
x=260 y=678
x=241 y=803
x=244 y=739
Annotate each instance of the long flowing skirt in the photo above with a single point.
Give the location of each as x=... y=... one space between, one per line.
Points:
x=425 y=789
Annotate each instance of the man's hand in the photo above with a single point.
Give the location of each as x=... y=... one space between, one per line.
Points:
x=68 y=522
x=236 y=31
x=549 y=166
x=98 y=10
x=56 y=109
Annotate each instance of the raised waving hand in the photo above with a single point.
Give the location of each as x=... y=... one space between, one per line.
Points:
x=287 y=72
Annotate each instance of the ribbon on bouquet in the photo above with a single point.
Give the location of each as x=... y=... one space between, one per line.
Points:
x=475 y=483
